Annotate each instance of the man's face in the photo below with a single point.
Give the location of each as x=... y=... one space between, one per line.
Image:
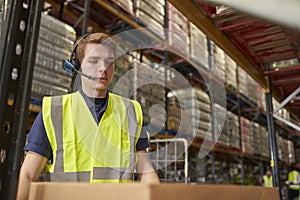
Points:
x=97 y=62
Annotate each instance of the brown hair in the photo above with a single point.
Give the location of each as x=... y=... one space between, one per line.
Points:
x=96 y=38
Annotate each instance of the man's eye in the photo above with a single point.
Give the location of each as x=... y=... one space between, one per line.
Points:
x=93 y=61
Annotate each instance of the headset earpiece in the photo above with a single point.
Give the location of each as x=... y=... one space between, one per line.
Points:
x=73 y=60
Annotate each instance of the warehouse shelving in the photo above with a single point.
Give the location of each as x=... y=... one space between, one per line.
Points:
x=237 y=102
x=234 y=95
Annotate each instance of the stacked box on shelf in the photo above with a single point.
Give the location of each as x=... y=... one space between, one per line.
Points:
x=204 y=117
x=55 y=43
x=252 y=88
x=178 y=26
x=285 y=150
x=232 y=128
x=247 y=138
x=219 y=62
x=198 y=46
x=149 y=94
x=151 y=14
x=280 y=147
x=192 y=111
x=219 y=127
x=255 y=132
x=242 y=81
x=265 y=148
x=260 y=98
x=126 y=5
x=230 y=75
x=291 y=152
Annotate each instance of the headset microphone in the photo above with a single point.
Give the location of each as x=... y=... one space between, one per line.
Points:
x=71 y=69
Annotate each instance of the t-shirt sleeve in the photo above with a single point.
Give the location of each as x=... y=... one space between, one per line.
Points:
x=37 y=140
x=142 y=142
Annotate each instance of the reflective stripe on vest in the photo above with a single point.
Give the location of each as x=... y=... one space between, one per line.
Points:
x=110 y=174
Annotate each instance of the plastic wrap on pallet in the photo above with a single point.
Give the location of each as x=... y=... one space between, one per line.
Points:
x=219 y=62
x=255 y=132
x=126 y=5
x=155 y=11
x=247 y=139
x=231 y=127
x=230 y=75
x=58 y=27
x=148 y=20
x=198 y=46
x=252 y=87
x=280 y=147
x=178 y=26
x=242 y=81
x=195 y=112
x=265 y=148
x=259 y=97
x=219 y=127
x=176 y=17
x=148 y=94
x=291 y=152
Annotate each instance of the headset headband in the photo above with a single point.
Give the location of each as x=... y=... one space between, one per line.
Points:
x=72 y=56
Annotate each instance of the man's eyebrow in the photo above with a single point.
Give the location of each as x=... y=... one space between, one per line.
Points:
x=97 y=57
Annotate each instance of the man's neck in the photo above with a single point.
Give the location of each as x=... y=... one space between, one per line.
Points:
x=95 y=93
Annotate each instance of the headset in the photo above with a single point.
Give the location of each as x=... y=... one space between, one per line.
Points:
x=73 y=64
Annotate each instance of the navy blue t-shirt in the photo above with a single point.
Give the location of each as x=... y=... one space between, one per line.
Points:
x=38 y=141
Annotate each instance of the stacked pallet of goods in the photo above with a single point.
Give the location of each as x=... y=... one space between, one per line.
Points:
x=232 y=128
x=219 y=62
x=230 y=75
x=178 y=26
x=151 y=14
x=219 y=127
x=148 y=82
x=247 y=138
x=55 y=43
x=198 y=46
x=242 y=82
x=125 y=5
x=193 y=113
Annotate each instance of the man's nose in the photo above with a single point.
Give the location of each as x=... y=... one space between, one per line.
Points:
x=102 y=67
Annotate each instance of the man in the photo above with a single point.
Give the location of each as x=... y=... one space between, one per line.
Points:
x=268 y=179
x=293 y=182
x=90 y=135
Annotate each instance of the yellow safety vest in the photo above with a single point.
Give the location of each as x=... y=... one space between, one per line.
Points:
x=268 y=181
x=294 y=176
x=84 y=151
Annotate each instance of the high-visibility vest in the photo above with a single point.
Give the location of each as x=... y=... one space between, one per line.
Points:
x=268 y=181
x=84 y=151
x=294 y=176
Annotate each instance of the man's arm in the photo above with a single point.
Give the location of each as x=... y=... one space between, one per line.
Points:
x=30 y=171
x=145 y=170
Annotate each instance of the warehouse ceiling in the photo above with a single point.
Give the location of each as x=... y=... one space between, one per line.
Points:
x=252 y=42
x=273 y=49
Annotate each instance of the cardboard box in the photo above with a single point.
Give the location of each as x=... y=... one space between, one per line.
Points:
x=136 y=191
